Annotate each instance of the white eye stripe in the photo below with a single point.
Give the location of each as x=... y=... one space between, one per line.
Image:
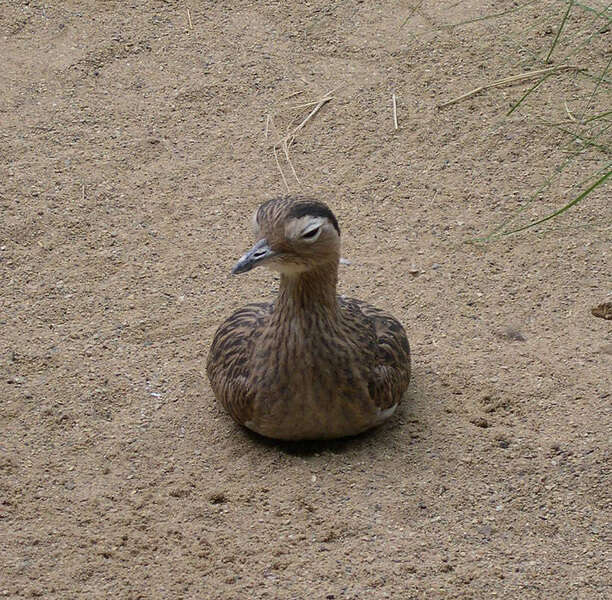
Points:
x=254 y=223
x=299 y=229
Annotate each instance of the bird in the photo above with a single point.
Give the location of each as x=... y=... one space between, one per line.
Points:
x=312 y=364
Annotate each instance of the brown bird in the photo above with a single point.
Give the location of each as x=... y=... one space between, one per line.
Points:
x=312 y=365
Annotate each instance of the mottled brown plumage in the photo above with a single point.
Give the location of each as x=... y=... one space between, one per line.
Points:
x=312 y=365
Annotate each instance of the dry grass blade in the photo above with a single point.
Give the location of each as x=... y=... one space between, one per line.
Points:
x=509 y=80
x=286 y=151
x=280 y=169
x=305 y=105
x=412 y=10
x=285 y=142
x=569 y=114
x=290 y=138
x=267 y=127
x=292 y=95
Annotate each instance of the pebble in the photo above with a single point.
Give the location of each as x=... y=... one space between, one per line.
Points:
x=480 y=422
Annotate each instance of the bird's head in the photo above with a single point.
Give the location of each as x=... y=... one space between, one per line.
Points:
x=294 y=234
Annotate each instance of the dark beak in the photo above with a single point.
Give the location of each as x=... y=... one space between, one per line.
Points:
x=253 y=258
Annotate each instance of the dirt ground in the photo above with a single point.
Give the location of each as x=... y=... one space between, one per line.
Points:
x=133 y=152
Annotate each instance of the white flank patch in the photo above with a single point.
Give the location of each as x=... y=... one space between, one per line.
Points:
x=383 y=415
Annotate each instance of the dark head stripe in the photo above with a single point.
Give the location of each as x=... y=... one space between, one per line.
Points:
x=313 y=209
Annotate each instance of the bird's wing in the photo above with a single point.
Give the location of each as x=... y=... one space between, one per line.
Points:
x=388 y=377
x=227 y=364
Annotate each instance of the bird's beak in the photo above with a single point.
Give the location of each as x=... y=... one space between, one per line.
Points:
x=253 y=258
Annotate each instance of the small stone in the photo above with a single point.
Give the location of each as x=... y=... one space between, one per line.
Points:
x=217 y=498
x=603 y=311
x=480 y=422
x=512 y=334
x=485 y=531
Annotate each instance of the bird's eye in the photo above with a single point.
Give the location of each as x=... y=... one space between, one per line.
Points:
x=311 y=233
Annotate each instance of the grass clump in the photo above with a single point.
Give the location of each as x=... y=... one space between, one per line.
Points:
x=585 y=129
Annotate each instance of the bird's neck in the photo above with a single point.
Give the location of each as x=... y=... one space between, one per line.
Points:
x=309 y=293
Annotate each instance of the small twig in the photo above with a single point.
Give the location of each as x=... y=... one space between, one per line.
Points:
x=394 y=112
x=189 y=19
x=507 y=80
x=292 y=95
x=267 y=126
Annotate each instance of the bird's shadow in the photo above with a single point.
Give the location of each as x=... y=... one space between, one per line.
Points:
x=312 y=447
x=380 y=435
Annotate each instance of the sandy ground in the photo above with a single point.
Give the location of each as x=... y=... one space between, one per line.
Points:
x=132 y=156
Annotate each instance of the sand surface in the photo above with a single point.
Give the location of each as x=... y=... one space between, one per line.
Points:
x=132 y=154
